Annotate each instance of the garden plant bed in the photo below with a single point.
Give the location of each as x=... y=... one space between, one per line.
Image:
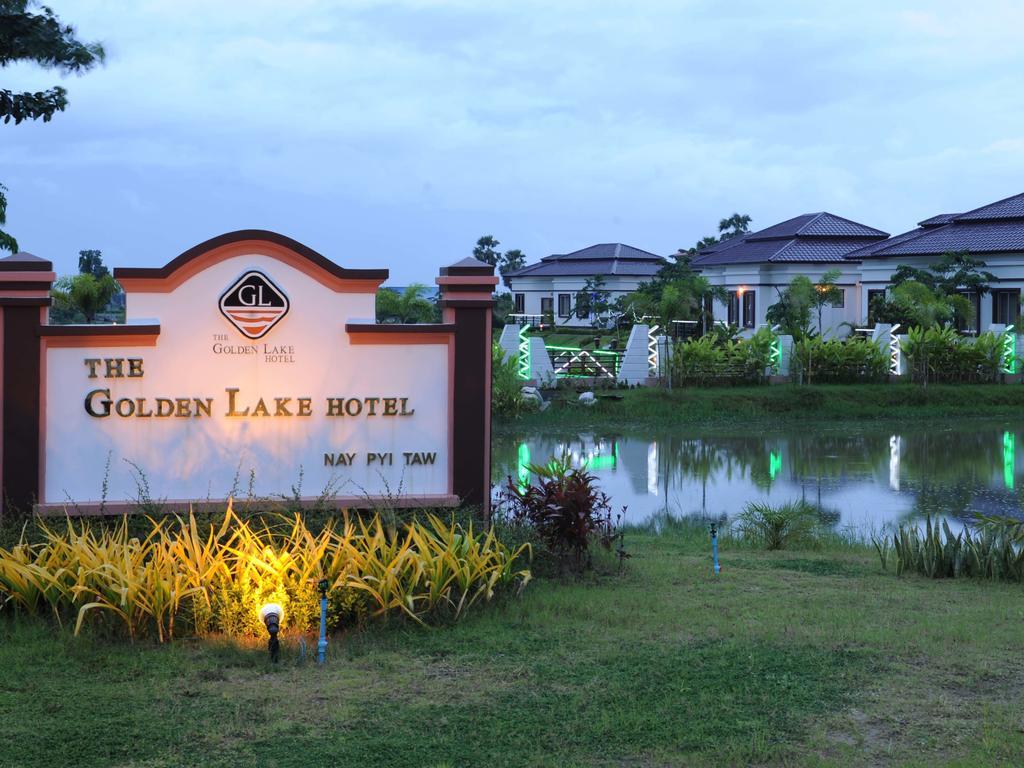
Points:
x=802 y=658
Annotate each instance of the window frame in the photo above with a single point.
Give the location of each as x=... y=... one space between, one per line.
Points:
x=519 y=303
x=1014 y=295
x=567 y=298
x=749 y=313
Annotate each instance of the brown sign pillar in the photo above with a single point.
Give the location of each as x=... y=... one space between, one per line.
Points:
x=25 y=283
x=466 y=301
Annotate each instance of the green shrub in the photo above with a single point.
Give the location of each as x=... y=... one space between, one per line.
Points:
x=778 y=527
x=715 y=360
x=506 y=386
x=854 y=360
x=942 y=355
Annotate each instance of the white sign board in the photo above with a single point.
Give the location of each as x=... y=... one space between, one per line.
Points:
x=252 y=383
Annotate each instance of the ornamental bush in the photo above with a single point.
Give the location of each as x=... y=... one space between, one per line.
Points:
x=183 y=577
x=942 y=355
x=713 y=360
x=852 y=360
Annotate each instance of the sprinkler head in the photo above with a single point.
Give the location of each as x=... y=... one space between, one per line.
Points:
x=323 y=586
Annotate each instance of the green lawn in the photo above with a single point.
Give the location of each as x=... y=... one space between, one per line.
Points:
x=774 y=405
x=789 y=658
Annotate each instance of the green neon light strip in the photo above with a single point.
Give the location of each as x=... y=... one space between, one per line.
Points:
x=1009 y=458
x=1009 y=361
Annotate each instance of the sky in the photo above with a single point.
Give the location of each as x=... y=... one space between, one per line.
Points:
x=394 y=134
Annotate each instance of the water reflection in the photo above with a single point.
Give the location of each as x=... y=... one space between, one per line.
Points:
x=862 y=478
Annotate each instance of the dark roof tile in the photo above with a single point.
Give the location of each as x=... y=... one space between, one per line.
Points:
x=603 y=259
x=1009 y=208
x=811 y=237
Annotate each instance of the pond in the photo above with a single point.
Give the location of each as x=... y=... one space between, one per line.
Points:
x=860 y=477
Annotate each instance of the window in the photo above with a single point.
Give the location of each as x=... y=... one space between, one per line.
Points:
x=970 y=325
x=875 y=295
x=546 y=304
x=520 y=303
x=564 y=304
x=708 y=320
x=840 y=300
x=1006 y=306
x=582 y=306
x=734 y=308
x=749 y=309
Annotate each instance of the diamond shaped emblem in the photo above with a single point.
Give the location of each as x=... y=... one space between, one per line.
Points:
x=253 y=304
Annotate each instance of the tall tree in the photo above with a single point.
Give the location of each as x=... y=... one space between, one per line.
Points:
x=91 y=263
x=40 y=38
x=7 y=242
x=83 y=293
x=486 y=250
x=728 y=228
x=511 y=261
x=733 y=226
x=43 y=39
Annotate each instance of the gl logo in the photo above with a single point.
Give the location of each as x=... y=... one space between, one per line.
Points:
x=253 y=304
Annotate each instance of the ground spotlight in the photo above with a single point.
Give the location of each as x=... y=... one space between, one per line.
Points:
x=270 y=615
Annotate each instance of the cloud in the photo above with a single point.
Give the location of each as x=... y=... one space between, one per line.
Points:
x=560 y=123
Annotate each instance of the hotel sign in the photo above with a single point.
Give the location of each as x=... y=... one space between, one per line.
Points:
x=251 y=365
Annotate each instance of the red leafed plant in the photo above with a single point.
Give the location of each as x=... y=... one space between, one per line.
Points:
x=565 y=507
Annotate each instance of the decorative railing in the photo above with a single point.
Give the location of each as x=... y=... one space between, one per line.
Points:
x=574 y=362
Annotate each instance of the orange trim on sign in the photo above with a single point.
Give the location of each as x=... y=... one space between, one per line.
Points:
x=370 y=337
x=100 y=340
x=248 y=248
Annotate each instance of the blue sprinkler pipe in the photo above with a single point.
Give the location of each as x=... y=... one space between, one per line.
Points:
x=321 y=646
x=714 y=548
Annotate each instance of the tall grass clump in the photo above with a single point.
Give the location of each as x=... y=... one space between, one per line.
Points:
x=778 y=527
x=994 y=551
x=213 y=579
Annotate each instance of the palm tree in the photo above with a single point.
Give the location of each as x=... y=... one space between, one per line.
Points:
x=409 y=306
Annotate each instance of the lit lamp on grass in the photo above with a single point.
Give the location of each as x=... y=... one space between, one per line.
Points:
x=270 y=615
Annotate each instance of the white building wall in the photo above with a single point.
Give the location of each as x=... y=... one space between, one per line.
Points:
x=535 y=289
x=767 y=281
x=876 y=273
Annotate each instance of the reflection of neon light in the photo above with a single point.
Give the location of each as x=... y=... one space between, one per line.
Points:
x=652 y=469
x=597 y=463
x=1008 y=358
x=774 y=464
x=1009 y=456
x=523 y=466
x=894 y=462
x=524 y=352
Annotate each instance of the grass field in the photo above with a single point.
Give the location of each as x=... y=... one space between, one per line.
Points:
x=807 y=658
x=782 y=404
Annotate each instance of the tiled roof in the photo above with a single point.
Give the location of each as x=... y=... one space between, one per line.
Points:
x=605 y=251
x=822 y=224
x=875 y=247
x=606 y=259
x=811 y=237
x=994 y=228
x=976 y=237
x=935 y=221
x=1010 y=208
